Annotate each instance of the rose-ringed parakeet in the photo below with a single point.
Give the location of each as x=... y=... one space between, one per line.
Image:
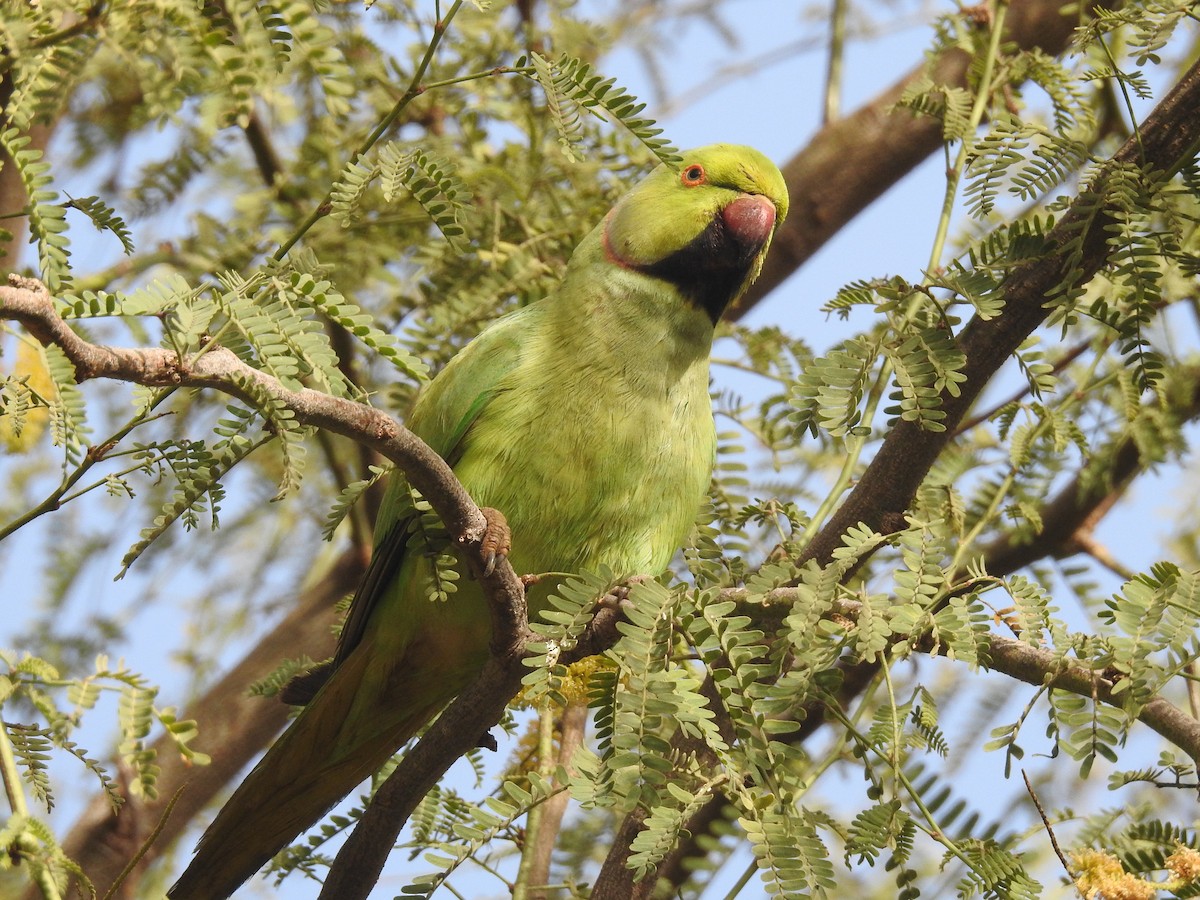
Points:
x=585 y=419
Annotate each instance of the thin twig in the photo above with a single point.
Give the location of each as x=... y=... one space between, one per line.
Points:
x=415 y=89
x=1050 y=831
x=1065 y=360
x=572 y=726
x=834 y=64
x=147 y=844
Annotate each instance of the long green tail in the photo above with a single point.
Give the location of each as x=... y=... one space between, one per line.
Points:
x=345 y=734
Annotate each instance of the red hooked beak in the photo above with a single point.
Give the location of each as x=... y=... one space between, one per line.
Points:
x=750 y=219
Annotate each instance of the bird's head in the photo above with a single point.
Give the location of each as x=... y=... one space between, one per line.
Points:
x=704 y=226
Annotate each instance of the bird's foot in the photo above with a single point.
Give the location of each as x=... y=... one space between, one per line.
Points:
x=496 y=540
x=618 y=598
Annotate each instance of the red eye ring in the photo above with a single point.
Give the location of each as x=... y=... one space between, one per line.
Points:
x=693 y=175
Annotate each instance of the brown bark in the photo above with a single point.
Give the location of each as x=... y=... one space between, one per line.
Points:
x=852 y=161
x=234 y=727
x=1170 y=137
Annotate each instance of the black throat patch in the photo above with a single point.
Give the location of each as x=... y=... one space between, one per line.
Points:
x=709 y=270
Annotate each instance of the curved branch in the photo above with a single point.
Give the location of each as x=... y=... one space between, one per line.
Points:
x=461 y=727
x=853 y=161
x=471 y=714
x=217 y=368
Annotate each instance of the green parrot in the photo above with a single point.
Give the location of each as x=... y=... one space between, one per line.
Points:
x=585 y=419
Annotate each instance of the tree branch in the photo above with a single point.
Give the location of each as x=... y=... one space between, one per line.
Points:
x=1076 y=510
x=1039 y=666
x=572 y=728
x=468 y=718
x=853 y=161
x=236 y=726
x=457 y=731
x=217 y=368
x=465 y=721
x=1170 y=137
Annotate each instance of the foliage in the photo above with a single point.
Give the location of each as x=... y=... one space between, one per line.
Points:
x=344 y=199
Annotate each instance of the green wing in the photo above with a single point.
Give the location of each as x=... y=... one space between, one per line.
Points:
x=444 y=413
x=454 y=400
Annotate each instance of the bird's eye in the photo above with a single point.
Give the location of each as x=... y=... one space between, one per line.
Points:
x=693 y=175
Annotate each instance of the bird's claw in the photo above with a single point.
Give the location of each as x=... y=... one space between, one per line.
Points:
x=496 y=540
x=617 y=599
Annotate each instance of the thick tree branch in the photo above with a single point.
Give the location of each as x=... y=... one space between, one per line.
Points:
x=1073 y=513
x=456 y=731
x=1037 y=666
x=852 y=161
x=1169 y=138
x=266 y=157
x=236 y=726
x=469 y=717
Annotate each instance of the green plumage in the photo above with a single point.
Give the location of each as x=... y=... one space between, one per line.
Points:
x=585 y=418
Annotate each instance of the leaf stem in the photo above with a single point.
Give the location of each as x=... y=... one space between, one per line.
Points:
x=954 y=176
x=533 y=822
x=39 y=873
x=527 y=71
x=855 y=447
x=833 y=71
x=414 y=90
x=12 y=778
x=1119 y=77
x=932 y=827
x=95 y=454
x=1006 y=485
